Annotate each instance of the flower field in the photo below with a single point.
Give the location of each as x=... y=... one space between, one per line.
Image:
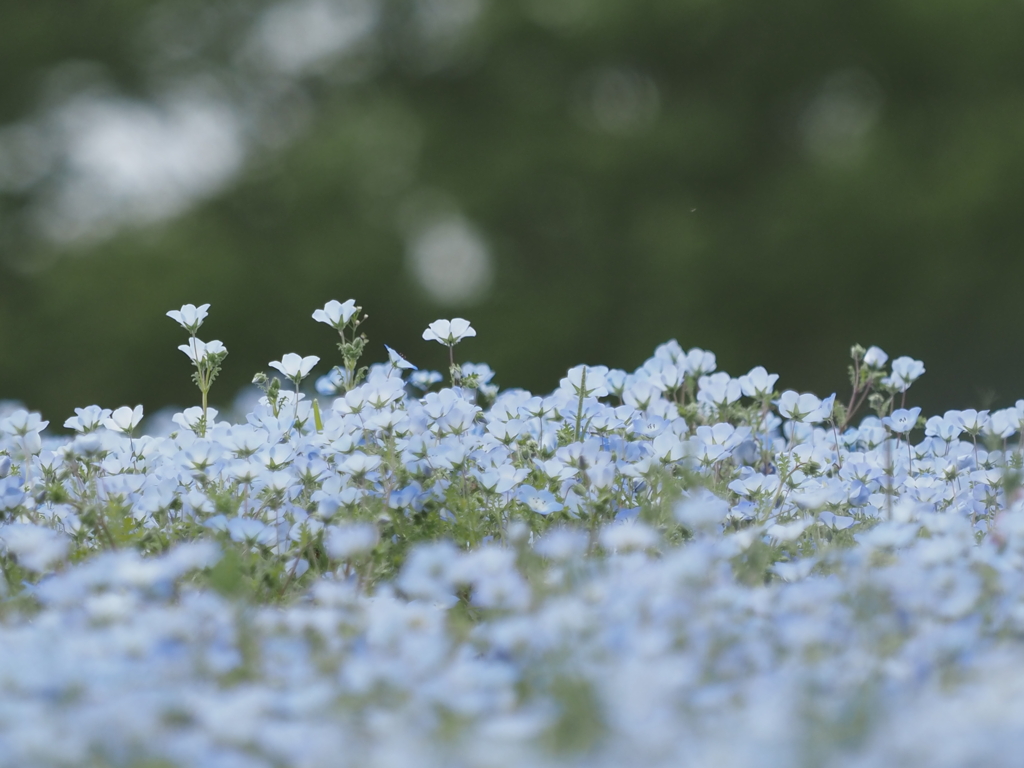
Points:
x=669 y=567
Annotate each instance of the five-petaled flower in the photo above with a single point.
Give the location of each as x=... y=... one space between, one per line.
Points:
x=294 y=366
x=758 y=383
x=336 y=314
x=875 y=357
x=397 y=361
x=805 y=408
x=902 y=420
x=190 y=317
x=905 y=371
x=198 y=351
x=449 y=332
x=124 y=419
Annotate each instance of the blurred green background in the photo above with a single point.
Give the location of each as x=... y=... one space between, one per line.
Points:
x=582 y=179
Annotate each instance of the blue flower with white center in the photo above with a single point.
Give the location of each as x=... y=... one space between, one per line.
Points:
x=973 y=421
x=295 y=367
x=805 y=408
x=875 y=358
x=124 y=419
x=1004 y=423
x=398 y=361
x=585 y=381
x=905 y=371
x=336 y=314
x=700 y=362
x=902 y=420
x=540 y=501
x=758 y=382
x=718 y=389
x=189 y=317
x=449 y=332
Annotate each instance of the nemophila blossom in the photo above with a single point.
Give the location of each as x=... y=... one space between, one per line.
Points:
x=578 y=533
x=424 y=380
x=947 y=427
x=585 y=381
x=668 y=447
x=295 y=367
x=189 y=317
x=723 y=434
x=905 y=371
x=249 y=531
x=718 y=389
x=669 y=377
x=22 y=422
x=758 y=382
x=805 y=408
x=501 y=479
x=198 y=351
x=87 y=419
x=192 y=417
x=616 y=381
x=1004 y=423
x=449 y=332
x=398 y=361
x=973 y=421
x=700 y=362
x=875 y=358
x=640 y=394
x=124 y=419
x=480 y=371
x=331 y=383
x=540 y=501
x=336 y=314
x=902 y=420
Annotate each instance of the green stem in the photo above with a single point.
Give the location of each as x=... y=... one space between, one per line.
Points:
x=579 y=408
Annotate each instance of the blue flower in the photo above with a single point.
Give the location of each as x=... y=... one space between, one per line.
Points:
x=902 y=420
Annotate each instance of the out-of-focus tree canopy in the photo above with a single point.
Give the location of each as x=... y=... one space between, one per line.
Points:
x=583 y=179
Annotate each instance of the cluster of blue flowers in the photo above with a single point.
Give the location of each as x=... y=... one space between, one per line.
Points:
x=667 y=567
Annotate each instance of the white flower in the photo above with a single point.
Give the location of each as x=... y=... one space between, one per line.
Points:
x=902 y=420
x=718 y=389
x=595 y=384
x=124 y=419
x=700 y=362
x=87 y=419
x=449 y=332
x=190 y=418
x=397 y=361
x=1004 y=423
x=336 y=314
x=294 y=366
x=805 y=408
x=973 y=421
x=21 y=422
x=541 y=501
x=905 y=371
x=875 y=357
x=189 y=317
x=758 y=383
x=198 y=351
